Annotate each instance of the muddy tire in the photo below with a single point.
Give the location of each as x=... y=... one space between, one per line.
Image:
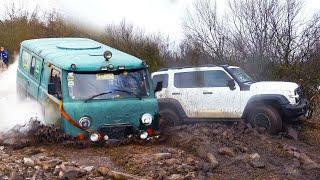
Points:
x=169 y=118
x=21 y=93
x=50 y=113
x=267 y=117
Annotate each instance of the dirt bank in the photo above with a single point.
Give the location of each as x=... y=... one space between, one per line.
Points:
x=189 y=152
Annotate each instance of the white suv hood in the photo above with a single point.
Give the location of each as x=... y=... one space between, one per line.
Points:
x=273 y=86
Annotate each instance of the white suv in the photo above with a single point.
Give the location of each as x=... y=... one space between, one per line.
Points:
x=215 y=93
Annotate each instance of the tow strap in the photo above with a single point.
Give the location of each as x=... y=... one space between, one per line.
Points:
x=69 y=119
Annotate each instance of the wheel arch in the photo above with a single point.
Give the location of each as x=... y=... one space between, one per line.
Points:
x=274 y=100
x=169 y=103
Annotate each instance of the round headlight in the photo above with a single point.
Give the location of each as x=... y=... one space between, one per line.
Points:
x=94 y=137
x=107 y=55
x=106 y=137
x=146 y=119
x=85 y=122
x=144 y=135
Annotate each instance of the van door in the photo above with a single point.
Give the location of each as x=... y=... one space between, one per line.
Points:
x=35 y=77
x=23 y=74
x=50 y=103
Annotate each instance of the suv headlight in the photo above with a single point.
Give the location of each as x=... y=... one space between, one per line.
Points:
x=146 y=119
x=298 y=94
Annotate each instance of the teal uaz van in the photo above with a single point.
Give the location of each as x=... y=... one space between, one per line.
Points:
x=88 y=89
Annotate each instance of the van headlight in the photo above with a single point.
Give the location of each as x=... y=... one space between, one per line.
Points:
x=94 y=137
x=85 y=122
x=146 y=119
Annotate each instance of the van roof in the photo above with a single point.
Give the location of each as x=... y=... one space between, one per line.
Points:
x=86 y=54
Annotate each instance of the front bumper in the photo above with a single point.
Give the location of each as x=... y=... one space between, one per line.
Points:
x=118 y=131
x=294 y=111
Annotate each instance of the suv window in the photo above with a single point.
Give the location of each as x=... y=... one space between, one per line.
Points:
x=216 y=78
x=55 y=77
x=159 y=78
x=188 y=79
x=35 y=68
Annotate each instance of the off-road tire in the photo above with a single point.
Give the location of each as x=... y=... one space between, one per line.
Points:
x=268 y=114
x=169 y=118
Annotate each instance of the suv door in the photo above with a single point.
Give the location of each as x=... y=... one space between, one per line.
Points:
x=217 y=99
x=187 y=90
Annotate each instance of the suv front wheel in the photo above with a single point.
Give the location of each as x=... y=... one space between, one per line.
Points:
x=169 y=118
x=267 y=117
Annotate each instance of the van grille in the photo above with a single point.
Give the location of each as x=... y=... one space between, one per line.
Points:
x=117 y=131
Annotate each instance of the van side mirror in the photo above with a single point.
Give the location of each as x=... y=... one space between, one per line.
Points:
x=52 y=89
x=231 y=84
x=158 y=87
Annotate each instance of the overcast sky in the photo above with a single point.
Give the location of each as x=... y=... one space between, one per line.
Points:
x=165 y=16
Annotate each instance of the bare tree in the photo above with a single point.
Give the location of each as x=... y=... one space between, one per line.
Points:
x=309 y=45
x=252 y=36
x=286 y=27
x=203 y=28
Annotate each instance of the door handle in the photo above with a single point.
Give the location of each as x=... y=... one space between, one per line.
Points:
x=28 y=83
x=176 y=93
x=206 y=92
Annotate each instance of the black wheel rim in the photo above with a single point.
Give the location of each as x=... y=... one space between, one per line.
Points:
x=262 y=120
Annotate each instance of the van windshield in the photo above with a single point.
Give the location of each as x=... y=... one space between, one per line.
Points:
x=108 y=85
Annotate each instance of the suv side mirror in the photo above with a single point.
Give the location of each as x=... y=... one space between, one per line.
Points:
x=52 y=89
x=158 y=87
x=231 y=84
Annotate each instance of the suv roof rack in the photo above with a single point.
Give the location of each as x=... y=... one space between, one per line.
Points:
x=204 y=65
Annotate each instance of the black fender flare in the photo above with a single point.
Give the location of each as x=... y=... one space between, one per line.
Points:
x=169 y=103
x=274 y=100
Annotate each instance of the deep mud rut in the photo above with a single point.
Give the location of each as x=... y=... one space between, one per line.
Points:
x=201 y=151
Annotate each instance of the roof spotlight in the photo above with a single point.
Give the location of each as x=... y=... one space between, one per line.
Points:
x=73 y=66
x=107 y=55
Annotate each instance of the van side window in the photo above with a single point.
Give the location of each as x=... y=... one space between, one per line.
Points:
x=160 y=78
x=35 y=68
x=25 y=60
x=33 y=65
x=55 y=78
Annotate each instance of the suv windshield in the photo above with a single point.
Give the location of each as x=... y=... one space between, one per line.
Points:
x=108 y=85
x=240 y=75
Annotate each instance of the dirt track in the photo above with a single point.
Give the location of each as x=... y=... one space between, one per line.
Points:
x=189 y=152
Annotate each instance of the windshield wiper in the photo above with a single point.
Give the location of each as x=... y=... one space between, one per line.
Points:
x=97 y=95
x=129 y=92
x=248 y=81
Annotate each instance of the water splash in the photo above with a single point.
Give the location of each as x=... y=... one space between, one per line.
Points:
x=12 y=111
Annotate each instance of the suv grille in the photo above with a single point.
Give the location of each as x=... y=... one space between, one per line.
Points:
x=299 y=92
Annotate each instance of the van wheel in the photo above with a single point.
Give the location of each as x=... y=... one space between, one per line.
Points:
x=169 y=118
x=50 y=113
x=21 y=94
x=267 y=117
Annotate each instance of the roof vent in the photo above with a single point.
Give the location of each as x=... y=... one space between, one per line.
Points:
x=79 y=45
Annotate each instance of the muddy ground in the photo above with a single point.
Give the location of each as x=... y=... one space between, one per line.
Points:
x=201 y=151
